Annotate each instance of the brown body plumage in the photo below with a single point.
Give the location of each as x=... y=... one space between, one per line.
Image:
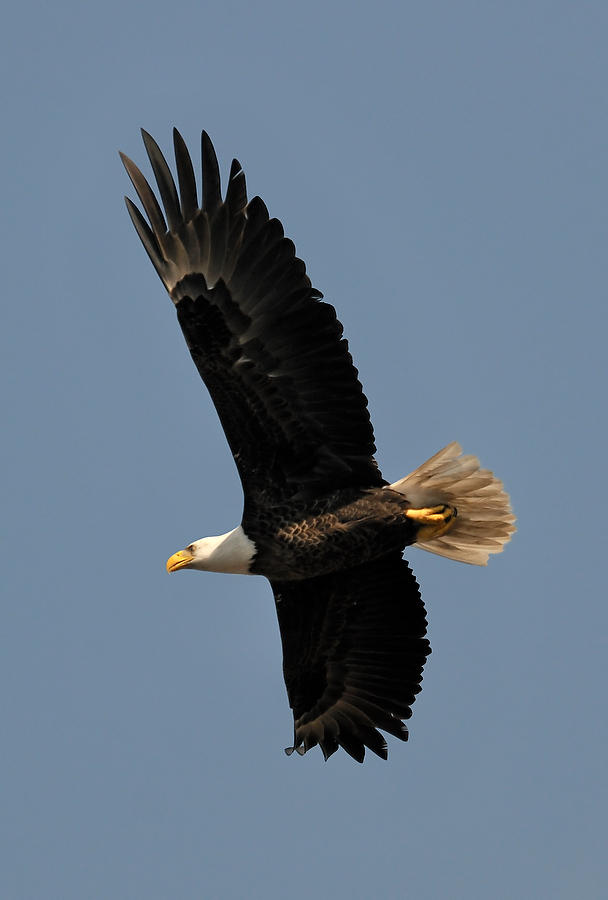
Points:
x=335 y=532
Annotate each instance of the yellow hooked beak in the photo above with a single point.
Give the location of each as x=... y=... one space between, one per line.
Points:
x=179 y=560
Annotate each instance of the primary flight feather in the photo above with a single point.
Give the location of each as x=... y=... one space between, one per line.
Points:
x=319 y=520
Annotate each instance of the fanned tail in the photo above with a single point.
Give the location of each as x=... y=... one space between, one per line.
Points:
x=484 y=521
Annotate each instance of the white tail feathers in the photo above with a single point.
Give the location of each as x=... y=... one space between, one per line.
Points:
x=484 y=521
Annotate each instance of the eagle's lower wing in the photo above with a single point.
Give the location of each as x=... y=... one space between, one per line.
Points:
x=270 y=352
x=354 y=648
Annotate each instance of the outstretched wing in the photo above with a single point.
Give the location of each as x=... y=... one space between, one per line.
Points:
x=271 y=354
x=354 y=648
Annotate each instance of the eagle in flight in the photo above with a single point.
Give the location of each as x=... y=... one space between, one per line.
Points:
x=319 y=520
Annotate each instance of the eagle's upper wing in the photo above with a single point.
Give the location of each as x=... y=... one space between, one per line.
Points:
x=354 y=648
x=270 y=352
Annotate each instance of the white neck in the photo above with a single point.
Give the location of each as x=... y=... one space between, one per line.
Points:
x=232 y=552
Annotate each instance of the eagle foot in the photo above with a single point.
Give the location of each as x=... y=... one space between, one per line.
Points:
x=432 y=521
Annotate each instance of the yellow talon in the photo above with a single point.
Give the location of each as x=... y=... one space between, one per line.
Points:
x=433 y=521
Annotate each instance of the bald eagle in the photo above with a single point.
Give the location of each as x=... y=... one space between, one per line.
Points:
x=319 y=520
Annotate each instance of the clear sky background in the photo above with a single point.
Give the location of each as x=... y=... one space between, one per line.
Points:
x=442 y=169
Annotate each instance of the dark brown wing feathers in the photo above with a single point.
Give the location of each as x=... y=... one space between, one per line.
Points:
x=354 y=648
x=271 y=354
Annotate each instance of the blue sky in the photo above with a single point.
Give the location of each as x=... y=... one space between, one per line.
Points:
x=442 y=170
